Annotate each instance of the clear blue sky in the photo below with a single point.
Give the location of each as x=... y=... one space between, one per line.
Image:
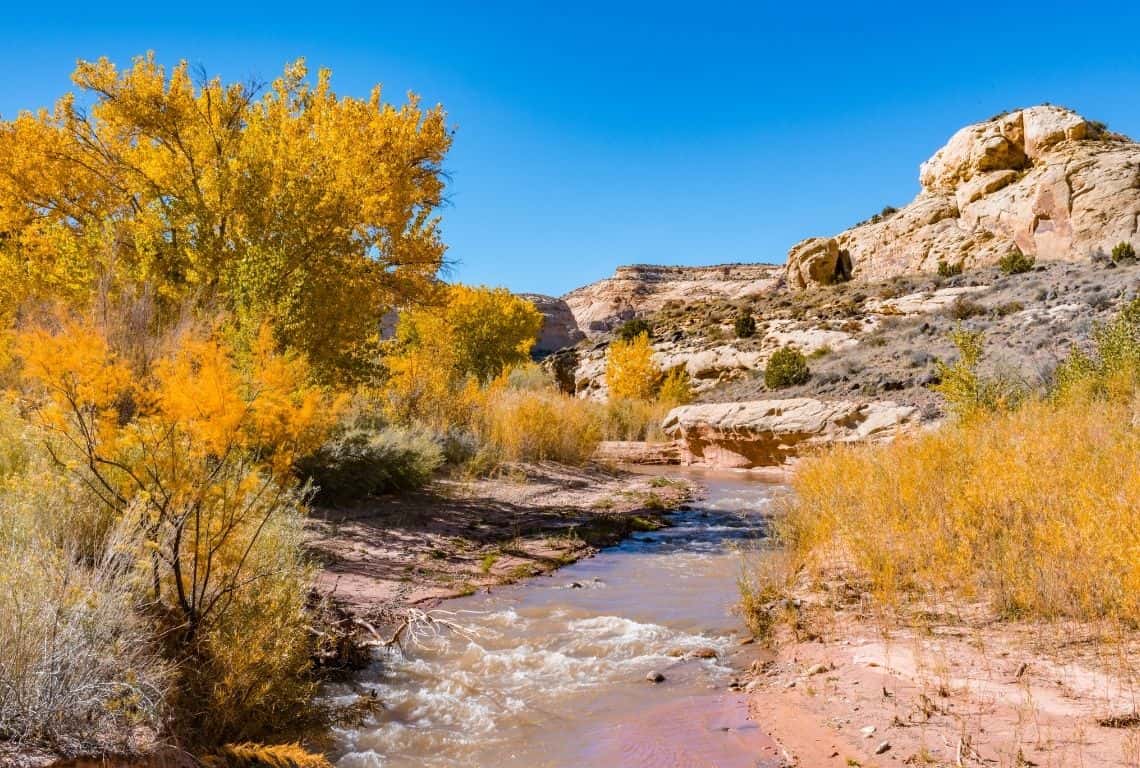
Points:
x=597 y=134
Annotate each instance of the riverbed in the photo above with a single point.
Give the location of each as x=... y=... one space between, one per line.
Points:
x=553 y=671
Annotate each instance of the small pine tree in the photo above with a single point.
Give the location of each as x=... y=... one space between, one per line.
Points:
x=946 y=269
x=631 y=329
x=1015 y=262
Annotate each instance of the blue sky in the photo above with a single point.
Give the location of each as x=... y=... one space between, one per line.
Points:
x=591 y=135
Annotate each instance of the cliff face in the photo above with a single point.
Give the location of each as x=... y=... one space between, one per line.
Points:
x=641 y=289
x=1043 y=180
x=559 y=328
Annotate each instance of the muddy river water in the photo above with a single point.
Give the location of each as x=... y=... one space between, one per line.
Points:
x=553 y=671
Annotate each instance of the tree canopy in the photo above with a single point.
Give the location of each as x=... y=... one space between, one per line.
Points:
x=285 y=203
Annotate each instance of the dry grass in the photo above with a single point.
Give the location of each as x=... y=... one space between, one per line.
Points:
x=539 y=424
x=1037 y=510
x=78 y=667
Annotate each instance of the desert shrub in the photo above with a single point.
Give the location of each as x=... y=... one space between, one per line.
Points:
x=1111 y=368
x=947 y=269
x=250 y=676
x=787 y=367
x=361 y=462
x=197 y=456
x=745 y=325
x=631 y=371
x=1123 y=252
x=79 y=667
x=764 y=582
x=966 y=390
x=1012 y=507
x=537 y=425
x=631 y=329
x=1015 y=262
x=964 y=308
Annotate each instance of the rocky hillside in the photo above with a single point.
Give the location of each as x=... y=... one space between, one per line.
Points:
x=1043 y=180
x=639 y=289
x=871 y=308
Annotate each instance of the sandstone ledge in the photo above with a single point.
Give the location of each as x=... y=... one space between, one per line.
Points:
x=769 y=432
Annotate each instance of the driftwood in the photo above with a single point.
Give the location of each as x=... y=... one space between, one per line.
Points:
x=418 y=628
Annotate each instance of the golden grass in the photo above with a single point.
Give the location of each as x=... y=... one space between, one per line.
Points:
x=1037 y=510
x=538 y=425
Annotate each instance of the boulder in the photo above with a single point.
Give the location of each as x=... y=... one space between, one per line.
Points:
x=817 y=261
x=769 y=432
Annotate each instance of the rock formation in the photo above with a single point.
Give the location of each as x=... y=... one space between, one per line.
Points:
x=638 y=289
x=769 y=432
x=559 y=328
x=1044 y=180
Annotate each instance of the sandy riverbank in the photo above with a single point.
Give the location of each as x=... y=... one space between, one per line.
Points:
x=953 y=688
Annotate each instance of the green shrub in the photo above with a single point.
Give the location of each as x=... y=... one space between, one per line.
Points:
x=364 y=461
x=631 y=329
x=946 y=269
x=1123 y=252
x=1112 y=368
x=745 y=325
x=786 y=367
x=1015 y=262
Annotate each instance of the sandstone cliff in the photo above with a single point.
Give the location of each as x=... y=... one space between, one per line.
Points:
x=1043 y=180
x=639 y=289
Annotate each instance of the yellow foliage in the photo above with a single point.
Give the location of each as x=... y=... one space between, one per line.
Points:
x=248 y=755
x=445 y=351
x=197 y=456
x=630 y=369
x=676 y=388
x=1015 y=507
x=298 y=205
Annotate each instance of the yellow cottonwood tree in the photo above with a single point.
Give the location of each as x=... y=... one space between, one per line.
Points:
x=288 y=202
x=631 y=372
x=474 y=333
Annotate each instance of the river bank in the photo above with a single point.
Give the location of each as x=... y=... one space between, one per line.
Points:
x=461 y=536
x=944 y=686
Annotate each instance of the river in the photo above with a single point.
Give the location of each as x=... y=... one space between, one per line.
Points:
x=553 y=670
